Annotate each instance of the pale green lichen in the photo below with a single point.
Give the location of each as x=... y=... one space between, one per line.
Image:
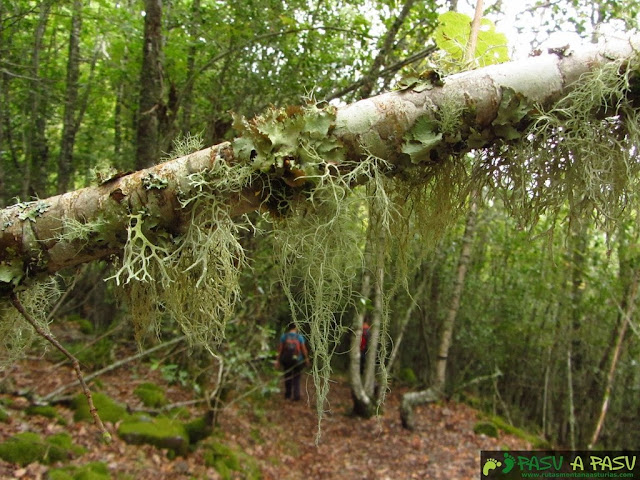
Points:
x=193 y=277
x=153 y=180
x=17 y=336
x=289 y=140
x=32 y=210
x=184 y=145
x=581 y=154
x=75 y=230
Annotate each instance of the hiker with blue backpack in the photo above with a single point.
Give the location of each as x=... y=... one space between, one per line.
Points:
x=292 y=357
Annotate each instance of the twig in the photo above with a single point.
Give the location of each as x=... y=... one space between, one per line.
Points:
x=106 y=436
x=113 y=366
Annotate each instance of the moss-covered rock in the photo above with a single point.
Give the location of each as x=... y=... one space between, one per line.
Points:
x=29 y=447
x=151 y=395
x=228 y=462
x=84 y=325
x=109 y=410
x=45 y=411
x=407 y=376
x=90 y=471
x=99 y=355
x=486 y=428
x=198 y=429
x=4 y=415
x=161 y=432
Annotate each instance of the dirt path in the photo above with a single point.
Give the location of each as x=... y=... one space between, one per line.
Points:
x=279 y=434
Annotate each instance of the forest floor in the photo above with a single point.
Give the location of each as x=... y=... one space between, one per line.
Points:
x=280 y=435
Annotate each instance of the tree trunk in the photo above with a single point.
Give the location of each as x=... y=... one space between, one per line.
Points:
x=30 y=236
x=405 y=321
x=151 y=105
x=458 y=287
x=614 y=362
x=629 y=277
x=69 y=123
x=187 y=94
x=362 y=402
x=410 y=400
x=34 y=182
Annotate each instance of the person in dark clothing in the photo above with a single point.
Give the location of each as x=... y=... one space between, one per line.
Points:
x=292 y=357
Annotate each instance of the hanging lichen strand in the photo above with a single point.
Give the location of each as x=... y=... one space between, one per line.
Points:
x=581 y=155
x=17 y=335
x=192 y=277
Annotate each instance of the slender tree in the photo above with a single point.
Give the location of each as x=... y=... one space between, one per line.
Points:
x=151 y=106
x=70 y=122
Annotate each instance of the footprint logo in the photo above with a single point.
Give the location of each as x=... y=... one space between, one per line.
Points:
x=509 y=462
x=489 y=465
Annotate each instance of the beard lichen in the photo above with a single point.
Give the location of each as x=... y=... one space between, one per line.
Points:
x=18 y=336
x=580 y=155
x=192 y=277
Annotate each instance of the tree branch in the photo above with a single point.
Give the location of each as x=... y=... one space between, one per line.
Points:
x=106 y=436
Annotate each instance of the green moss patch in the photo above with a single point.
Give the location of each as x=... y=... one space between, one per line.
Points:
x=46 y=411
x=151 y=395
x=228 y=462
x=161 y=432
x=486 y=428
x=90 y=471
x=109 y=410
x=4 y=416
x=198 y=429
x=534 y=440
x=28 y=447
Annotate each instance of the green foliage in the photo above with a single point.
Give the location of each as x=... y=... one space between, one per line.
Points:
x=84 y=325
x=97 y=355
x=151 y=395
x=108 y=410
x=452 y=36
x=172 y=373
x=407 y=376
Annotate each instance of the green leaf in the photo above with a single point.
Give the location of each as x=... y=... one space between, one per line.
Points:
x=452 y=36
x=452 y=33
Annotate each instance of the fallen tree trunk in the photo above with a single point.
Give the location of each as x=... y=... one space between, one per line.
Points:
x=399 y=127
